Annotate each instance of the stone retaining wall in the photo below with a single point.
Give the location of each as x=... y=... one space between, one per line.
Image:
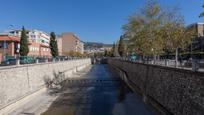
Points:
x=18 y=81
x=176 y=91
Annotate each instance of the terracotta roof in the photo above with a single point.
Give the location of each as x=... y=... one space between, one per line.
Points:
x=9 y=38
x=42 y=45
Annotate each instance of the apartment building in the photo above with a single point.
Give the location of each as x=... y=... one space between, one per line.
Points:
x=81 y=47
x=71 y=42
x=59 y=45
x=38 y=43
x=37 y=49
x=9 y=46
x=33 y=36
x=198 y=42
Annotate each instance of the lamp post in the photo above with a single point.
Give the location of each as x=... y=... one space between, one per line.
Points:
x=18 y=54
x=152 y=50
x=4 y=52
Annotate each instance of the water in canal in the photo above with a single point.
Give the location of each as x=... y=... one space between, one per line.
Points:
x=97 y=92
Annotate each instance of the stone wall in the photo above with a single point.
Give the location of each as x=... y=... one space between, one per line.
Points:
x=170 y=90
x=17 y=82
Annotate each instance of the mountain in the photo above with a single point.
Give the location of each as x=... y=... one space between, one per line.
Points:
x=95 y=45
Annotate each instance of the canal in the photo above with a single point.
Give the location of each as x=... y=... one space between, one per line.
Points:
x=96 y=91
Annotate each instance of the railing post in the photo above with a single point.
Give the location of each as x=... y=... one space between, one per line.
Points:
x=18 y=61
x=53 y=60
x=195 y=65
x=46 y=61
x=166 y=62
x=37 y=61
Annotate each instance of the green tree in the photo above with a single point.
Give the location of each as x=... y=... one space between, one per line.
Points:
x=53 y=44
x=105 y=53
x=24 y=50
x=174 y=33
x=75 y=54
x=153 y=30
x=113 y=50
x=143 y=29
x=202 y=14
x=121 y=48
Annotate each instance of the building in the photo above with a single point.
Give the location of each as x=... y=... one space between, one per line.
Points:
x=70 y=42
x=108 y=47
x=198 y=42
x=59 y=45
x=33 y=35
x=95 y=47
x=37 y=49
x=81 y=47
x=9 y=46
x=38 y=43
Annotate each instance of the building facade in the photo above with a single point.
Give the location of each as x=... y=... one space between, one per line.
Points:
x=9 y=46
x=33 y=36
x=81 y=47
x=59 y=45
x=38 y=43
x=198 y=42
x=38 y=50
x=70 y=42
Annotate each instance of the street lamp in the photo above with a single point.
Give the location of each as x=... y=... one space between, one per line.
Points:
x=18 y=54
x=152 y=50
x=4 y=52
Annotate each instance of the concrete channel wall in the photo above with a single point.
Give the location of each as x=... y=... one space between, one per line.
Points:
x=169 y=90
x=17 y=82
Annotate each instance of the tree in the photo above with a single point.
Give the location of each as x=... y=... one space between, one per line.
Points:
x=202 y=14
x=105 y=53
x=154 y=30
x=121 y=48
x=174 y=33
x=75 y=54
x=24 y=50
x=113 y=50
x=53 y=44
x=142 y=29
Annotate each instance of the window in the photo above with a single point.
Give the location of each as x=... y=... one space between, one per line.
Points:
x=1 y=44
x=4 y=45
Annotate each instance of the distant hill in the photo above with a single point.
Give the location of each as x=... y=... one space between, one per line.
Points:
x=95 y=45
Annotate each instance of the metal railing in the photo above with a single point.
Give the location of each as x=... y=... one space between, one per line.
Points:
x=36 y=60
x=194 y=64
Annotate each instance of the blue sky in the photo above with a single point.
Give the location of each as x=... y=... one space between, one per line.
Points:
x=91 y=20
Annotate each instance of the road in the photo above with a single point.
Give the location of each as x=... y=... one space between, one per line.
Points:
x=93 y=91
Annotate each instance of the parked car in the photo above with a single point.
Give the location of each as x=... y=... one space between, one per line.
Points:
x=11 y=61
x=27 y=60
x=41 y=59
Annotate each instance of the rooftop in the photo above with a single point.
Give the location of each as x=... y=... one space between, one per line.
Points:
x=9 y=38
